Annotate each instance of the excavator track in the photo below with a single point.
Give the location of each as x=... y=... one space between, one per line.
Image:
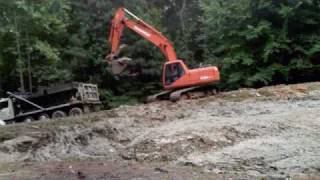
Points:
x=158 y=96
x=185 y=93
x=176 y=95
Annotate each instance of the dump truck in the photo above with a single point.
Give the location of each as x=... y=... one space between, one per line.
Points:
x=72 y=99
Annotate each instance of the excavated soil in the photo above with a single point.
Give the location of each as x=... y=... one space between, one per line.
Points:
x=269 y=133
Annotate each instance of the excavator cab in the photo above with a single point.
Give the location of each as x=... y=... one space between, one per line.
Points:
x=172 y=72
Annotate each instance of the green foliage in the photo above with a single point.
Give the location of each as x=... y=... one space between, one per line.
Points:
x=262 y=42
x=254 y=42
x=34 y=30
x=110 y=100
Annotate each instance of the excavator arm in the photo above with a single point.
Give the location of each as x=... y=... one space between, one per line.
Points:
x=137 y=25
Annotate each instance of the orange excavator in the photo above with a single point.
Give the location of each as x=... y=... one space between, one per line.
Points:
x=177 y=78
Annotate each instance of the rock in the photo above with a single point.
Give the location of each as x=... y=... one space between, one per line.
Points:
x=81 y=175
x=161 y=170
x=21 y=144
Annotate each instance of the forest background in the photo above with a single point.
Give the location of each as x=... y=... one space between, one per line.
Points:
x=253 y=42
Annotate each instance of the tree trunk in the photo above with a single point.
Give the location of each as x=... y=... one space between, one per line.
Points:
x=20 y=64
x=181 y=15
x=29 y=66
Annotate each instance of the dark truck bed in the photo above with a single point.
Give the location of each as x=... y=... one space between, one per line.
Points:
x=63 y=98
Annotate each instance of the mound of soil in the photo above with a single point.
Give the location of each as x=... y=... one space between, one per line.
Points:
x=269 y=132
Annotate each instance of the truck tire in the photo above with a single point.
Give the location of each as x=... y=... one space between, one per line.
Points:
x=43 y=116
x=58 y=114
x=28 y=119
x=75 y=112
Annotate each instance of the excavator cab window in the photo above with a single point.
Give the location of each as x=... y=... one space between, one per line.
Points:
x=173 y=72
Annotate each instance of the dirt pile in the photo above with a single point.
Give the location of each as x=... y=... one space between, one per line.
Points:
x=268 y=132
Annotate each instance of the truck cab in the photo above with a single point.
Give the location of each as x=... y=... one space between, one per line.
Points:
x=6 y=110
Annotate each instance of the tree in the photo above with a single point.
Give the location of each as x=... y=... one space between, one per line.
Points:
x=258 y=43
x=36 y=30
x=254 y=42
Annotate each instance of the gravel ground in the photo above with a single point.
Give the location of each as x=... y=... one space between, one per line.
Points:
x=271 y=132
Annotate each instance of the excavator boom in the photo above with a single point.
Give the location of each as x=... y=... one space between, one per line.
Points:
x=142 y=28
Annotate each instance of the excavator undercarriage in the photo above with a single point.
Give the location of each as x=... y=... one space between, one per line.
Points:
x=194 y=92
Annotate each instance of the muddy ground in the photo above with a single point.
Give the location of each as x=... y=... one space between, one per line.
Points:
x=267 y=133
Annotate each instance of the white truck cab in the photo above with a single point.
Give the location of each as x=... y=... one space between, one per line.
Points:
x=6 y=110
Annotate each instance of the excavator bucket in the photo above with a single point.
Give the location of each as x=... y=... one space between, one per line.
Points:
x=119 y=65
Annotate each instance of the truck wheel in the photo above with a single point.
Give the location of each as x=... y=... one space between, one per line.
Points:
x=75 y=112
x=28 y=119
x=58 y=114
x=44 y=117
